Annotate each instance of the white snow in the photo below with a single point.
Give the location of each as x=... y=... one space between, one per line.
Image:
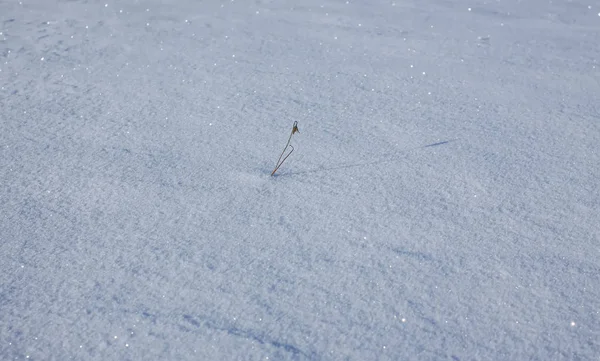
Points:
x=442 y=201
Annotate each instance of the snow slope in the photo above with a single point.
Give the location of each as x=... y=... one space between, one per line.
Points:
x=442 y=202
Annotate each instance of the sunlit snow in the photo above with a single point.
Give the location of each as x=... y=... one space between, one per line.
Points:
x=442 y=200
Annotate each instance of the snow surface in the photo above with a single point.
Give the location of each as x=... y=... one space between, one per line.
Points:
x=442 y=202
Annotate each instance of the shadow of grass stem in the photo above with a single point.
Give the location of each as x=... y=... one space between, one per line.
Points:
x=287 y=145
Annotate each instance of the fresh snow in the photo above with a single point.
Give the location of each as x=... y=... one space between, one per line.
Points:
x=442 y=201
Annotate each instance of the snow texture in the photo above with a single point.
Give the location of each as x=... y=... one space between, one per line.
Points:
x=442 y=201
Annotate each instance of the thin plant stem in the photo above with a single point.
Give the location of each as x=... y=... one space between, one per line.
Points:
x=279 y=161
x=284 y=148
x=286 y=157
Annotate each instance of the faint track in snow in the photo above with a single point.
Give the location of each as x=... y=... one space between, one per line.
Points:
x=199 y=322
x=420 y=256
x=383 y=158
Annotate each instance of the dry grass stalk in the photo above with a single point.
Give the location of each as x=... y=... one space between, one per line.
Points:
x=287 y=145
